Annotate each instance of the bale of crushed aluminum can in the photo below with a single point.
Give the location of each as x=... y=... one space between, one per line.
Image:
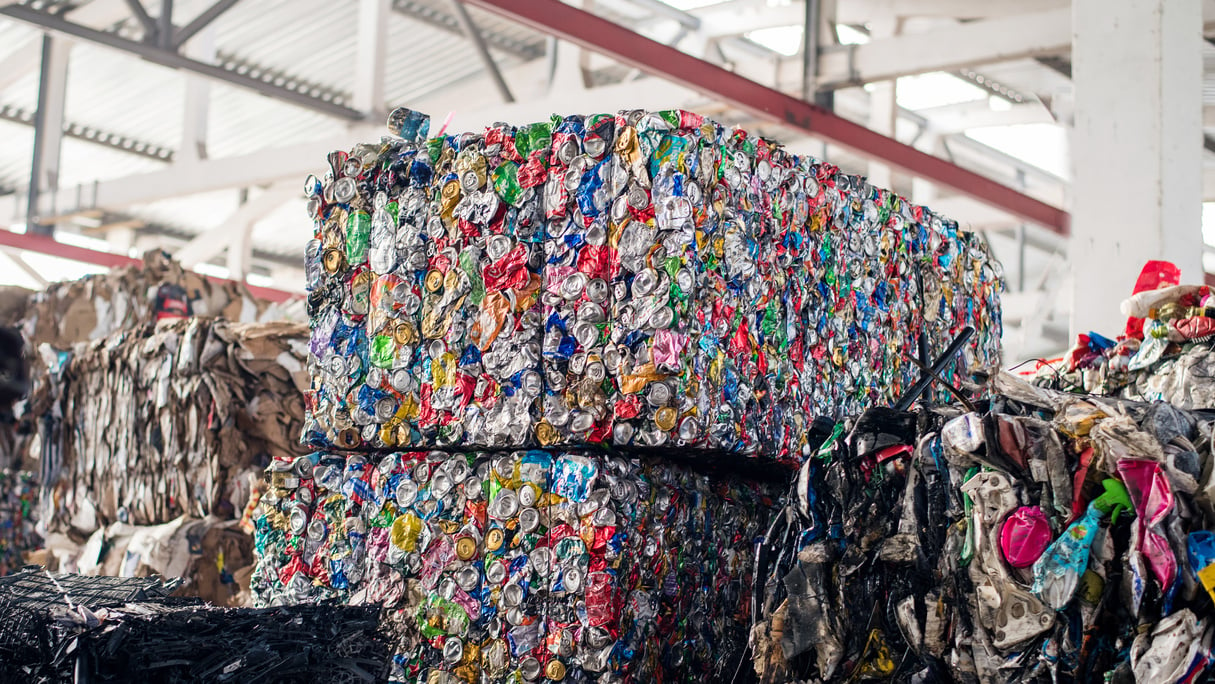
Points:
x=174 y=419
x=648 y=279
x=529 y=563
x=1048 y=538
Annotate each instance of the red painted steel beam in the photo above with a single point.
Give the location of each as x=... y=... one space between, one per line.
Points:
x=269 y=294
x=40 y=244
x=45 y=245
x=600 y=35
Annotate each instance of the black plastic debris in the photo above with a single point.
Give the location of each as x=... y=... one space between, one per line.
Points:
x=71 y=628
x=33 y=588
x=1043 y=537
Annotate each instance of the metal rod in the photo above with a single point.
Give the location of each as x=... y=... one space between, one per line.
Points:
x=173 y=60
x=149 y=24
x=478 y=41
x=927 y=379
x=632 y=49
x=1021 y=257
x=956 y=392
x=202 y=21
x=810 y=46
x=32 y=212
x=164 y=29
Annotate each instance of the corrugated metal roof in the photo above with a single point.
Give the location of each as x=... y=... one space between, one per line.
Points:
x=314 y=41
x=13 y=36
x=311 y=40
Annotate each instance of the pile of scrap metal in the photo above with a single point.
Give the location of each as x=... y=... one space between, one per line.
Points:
x=1166 y=352
x=1043 y=537
x=71 y=628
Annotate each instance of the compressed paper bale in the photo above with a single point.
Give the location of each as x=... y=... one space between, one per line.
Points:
x=157 y=422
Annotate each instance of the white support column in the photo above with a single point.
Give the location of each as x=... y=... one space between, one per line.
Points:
x=371 y=58
x=568 y=76
x=48 y=141
x=923 y=192
x=240 y=254
x=1137 y=145
x=52 y=140
x=883 y=108
x=198 y=98
x=48 y=132
x=121 y=239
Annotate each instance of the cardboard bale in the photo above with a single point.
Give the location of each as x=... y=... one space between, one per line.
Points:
x=130 y=297
x=176 y=418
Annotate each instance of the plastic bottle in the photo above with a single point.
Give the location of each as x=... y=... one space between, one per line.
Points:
x=1057 y=573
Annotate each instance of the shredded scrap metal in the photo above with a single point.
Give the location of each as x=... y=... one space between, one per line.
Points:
x=1046 y=537
x=105 y=629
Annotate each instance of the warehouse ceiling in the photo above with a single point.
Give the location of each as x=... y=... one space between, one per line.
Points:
x=208 y=161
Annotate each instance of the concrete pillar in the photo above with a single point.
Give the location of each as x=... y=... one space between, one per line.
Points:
x=121 y=239
x=1136 y=147
x=48 y=132
x=882 y=102
x=197 y=106
x=371 y=58
x=925 y=191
